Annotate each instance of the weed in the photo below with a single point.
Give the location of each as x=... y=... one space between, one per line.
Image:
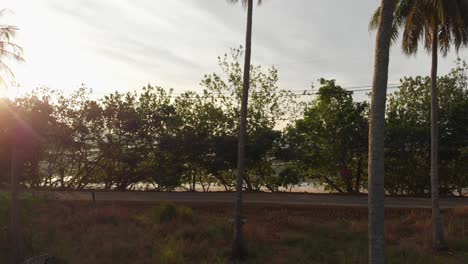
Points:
x=171 y=252
x=166 y=212
x=219 y=229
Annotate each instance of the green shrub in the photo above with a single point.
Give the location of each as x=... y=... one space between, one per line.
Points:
x=219 y=228
x=185 y=213
x=166 y=212
x=28 y=202
x=171 y=252
x=27 y=205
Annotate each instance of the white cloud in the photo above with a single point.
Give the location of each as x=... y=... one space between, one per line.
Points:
x=123 y=44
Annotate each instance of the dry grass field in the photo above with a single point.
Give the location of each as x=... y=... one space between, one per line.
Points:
x=105 y=232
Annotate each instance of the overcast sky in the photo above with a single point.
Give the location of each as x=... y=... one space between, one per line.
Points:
x=124 y=44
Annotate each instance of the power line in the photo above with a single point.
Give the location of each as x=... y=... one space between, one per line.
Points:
x=293 y=92
x=296 y=92
x=356 y=88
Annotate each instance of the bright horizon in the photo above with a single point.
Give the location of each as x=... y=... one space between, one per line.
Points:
x=122 y=45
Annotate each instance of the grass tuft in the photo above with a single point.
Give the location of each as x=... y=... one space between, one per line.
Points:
x=166 y=212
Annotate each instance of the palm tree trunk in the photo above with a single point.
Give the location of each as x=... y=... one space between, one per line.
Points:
x=15 y=241
x=377 y=135
x=438 y=242
x=239 y=250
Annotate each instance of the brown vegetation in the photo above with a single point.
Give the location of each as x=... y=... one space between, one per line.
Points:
x=105 y=232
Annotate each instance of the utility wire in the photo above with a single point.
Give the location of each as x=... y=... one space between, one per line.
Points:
x=297 y=92
x=293 y=92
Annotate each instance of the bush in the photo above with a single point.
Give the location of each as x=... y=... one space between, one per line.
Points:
x=171 y=252
x=219 y=229
x=27 y=204
x=166 y=212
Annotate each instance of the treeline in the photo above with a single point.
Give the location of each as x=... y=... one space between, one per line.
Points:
x=330 y=142
x=163 y=141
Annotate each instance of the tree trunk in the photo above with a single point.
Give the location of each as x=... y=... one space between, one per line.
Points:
x=247 y=181
x=349 y=186
x=15 y=236
x=377 y=134
x=222 y=181
x=357 y=184
x=192 y=188
x=62 y=177
x=333 y=185
x=239 y=250
x=438 y=242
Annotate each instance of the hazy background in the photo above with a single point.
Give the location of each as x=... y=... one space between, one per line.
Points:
x=122 y=45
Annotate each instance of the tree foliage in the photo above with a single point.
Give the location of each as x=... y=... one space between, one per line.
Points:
x=408 y=139
x=157 y=140
x=330 y=142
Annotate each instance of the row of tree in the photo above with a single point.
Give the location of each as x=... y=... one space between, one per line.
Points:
x=162 y=141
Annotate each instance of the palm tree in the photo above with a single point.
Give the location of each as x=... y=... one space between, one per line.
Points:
x=439 y=25
x=239 y=250
x=8 y=50
x=377 y=135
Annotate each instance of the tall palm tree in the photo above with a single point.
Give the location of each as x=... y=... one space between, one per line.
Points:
x=8 y=50
x=439 y=25
x=11 y=51
x=377 y=135
x=239 y=250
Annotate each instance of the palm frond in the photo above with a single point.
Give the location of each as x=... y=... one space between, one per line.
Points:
x=2 y=82
x=7 y=32
x=244 y=2
x=402 y=9
x=8 y=50
x=3 y=11
x=417 y=18
x=458 y=23
x=374 y=21
x=444 y=39
x=6 y=54
x=10 y=47
x=6 y=69
x=413 y=31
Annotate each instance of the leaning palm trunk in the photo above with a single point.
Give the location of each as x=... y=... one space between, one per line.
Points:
x=438 y=242
x=239 y=250
x=377 y=135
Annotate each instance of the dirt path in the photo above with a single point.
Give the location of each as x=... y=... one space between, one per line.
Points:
x=255 y=198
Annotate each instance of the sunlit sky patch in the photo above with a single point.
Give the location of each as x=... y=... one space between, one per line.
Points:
x=122 y=45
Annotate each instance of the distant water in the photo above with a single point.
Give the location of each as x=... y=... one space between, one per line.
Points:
x=311 y=186
x=303 y=187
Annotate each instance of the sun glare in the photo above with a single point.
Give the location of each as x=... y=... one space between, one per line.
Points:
x=3 y=92
x=9 y=92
